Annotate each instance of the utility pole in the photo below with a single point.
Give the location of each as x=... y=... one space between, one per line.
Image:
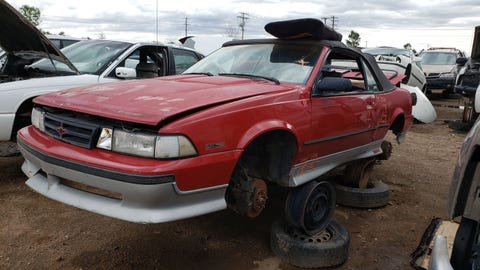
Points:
x=156 y=22
x=244 y=17
x=334 y=21
x=186 y=25
x=324 y=20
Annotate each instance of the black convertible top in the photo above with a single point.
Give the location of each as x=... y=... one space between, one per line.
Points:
x=307 y=28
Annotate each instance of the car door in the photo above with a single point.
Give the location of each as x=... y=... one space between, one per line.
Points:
x=342 y=119
x=150 y=54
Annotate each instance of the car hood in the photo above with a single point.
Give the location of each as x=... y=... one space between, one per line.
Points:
x=20 y=37
x=149 y=101
x=476 y=45
x=438 y=68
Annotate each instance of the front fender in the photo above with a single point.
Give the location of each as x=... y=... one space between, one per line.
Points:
x=265 y=127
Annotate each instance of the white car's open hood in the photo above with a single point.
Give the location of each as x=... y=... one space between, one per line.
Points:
x=476 y=45
x=18 y=36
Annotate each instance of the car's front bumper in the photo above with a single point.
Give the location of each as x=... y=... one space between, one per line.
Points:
x=440 y=83
x=136 y=198
x=6 y=125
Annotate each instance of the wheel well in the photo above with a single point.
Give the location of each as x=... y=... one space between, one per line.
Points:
x=22 y=117
x=270 y=156
x=466 y=182
x=397 y=125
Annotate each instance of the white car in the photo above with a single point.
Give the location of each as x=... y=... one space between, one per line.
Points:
x=83 y=63
x=402 y=61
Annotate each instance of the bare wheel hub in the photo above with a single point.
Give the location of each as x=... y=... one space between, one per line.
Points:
x=259 y=197
x=246 y=195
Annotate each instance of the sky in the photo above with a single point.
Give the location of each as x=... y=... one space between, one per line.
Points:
x=423 y=24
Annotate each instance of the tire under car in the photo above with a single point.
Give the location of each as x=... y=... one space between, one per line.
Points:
x=377 y=194
x=327 y=248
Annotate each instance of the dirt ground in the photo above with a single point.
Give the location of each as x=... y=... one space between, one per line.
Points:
x=38 y=233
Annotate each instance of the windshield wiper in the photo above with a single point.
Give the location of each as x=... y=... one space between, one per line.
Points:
x=251 y=76
x=200 y=73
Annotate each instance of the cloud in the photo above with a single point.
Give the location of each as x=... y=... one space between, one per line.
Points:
x=130 y=19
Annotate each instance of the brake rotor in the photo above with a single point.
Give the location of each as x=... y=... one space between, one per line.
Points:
x=258 y=197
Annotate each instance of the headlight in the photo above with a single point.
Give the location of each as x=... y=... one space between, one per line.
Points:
x=133 y=143
x=173 y=147
x=37 y=119
x=145 y=145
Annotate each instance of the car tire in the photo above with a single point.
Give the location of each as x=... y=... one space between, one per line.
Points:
x=465 y=245
x=377 y=194
x=8 y=149
x=326 y=249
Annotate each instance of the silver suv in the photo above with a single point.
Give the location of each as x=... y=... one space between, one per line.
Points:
x=440 y=67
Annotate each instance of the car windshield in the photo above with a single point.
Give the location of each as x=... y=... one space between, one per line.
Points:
x=287 y=62
x=438 y=58
x=89 y=57
x=387 y=51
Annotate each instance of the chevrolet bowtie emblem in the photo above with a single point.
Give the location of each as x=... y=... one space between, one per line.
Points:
x=61 y=131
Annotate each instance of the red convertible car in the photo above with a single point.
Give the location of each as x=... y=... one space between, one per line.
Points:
x=280 y=111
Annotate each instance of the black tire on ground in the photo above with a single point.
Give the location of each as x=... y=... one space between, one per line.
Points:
x=326 y=249
x=377 y=194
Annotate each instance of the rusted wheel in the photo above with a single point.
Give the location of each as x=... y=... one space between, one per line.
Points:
x=310 y=207
x=327 y=248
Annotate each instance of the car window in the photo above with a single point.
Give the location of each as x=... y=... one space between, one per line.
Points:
x=183 y=59
x=68 y=42
x=370 y=82
x=89 y=57
x=346 y=65
x=151 y=55
x=57 y=43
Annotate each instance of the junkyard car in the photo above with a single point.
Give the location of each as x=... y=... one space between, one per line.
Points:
x=403 y=61
x=454 y=244
x=440 y=66
x=468 y=80
x=276 y=111
x=83 y=63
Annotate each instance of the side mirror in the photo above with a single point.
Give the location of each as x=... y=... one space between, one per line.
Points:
x=125 y=73
x=461 y=61
x=333 y=84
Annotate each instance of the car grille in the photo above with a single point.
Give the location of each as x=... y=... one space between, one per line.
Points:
x=71 y=130
x=433 y=74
